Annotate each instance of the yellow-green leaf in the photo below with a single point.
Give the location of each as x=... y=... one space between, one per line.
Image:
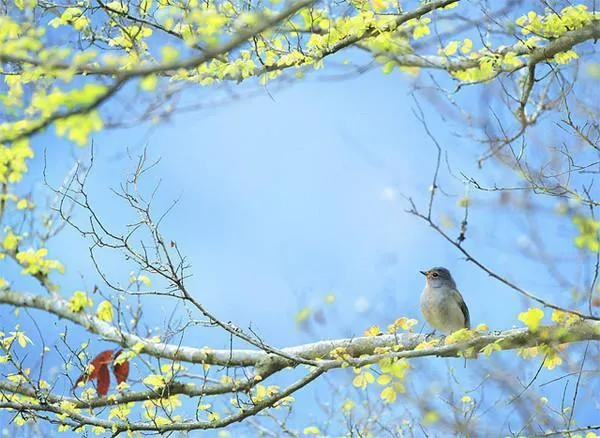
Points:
x=532 y=317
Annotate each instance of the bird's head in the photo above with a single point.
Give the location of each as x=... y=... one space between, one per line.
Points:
x=438 y=276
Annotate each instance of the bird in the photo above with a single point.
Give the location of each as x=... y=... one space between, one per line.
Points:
x=442 y=304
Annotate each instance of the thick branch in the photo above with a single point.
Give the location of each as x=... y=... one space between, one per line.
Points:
x=535 y=55
x=185 y=63
x=566 y=42
x=124 y=76
x=119 y=426
x=170 y=389
x=586 y=330
x=109 y=332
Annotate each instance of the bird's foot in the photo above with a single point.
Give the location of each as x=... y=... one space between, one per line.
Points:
x=429 y=335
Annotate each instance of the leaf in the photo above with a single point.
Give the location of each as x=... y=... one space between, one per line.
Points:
x=100 y=361
x=155 y=380
x=565 y=57
x=148 y=83
x=490 y=348
x=481 y=328
x=22 y=204
x=330 y=298
x=451 y=48
x=145 y=6
x=79 y=301
x=348 y=405
x=121 y=369
x=388 y=67
x=169 y=54
x=565 y=318
x=103 y=380
x=431 y=417
x=302 y=315
x=403 y=323
x=384 y=379
x=33 y=262
x=117 y=6
x=363 y=379
x=552 y=360
x=467 y=45
x=388 y=395
x=373 y=331
x=141 y=279
x=22 y=339
x=379 y=5
x=98 y=369
x=532 y=318
x=105 y=311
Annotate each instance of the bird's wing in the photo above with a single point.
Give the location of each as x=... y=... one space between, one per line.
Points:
x=463 y=307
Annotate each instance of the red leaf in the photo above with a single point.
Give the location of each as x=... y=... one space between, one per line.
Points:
x=99 y=362
x=83 y=378
x=100 y=371
x=121 y=369
x=103 y=380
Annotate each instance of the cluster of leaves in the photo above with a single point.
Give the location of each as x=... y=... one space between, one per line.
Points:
x=6 y=342
x=98 y=370
x=67 y=84
x=402 y=323
x=465 y=335
x=391 y=371
x=588 y=236
x=543 y=27
x=391 y=375
x=532 y=318
x=34 y=262
x=80 y=301
x=555 y=24
x=13 y=158
x=261 y=393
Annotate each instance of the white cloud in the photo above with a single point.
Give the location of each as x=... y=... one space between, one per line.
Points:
x=362 y=305
x=388 y=194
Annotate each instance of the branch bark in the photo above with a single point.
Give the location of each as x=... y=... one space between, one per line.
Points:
x=586 y=330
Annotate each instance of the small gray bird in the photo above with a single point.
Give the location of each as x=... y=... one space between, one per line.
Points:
x=442 y=304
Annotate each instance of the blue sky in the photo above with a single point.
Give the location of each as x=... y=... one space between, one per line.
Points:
x=286 y=197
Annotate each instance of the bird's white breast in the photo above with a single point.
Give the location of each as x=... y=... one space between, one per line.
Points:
x=441 y=310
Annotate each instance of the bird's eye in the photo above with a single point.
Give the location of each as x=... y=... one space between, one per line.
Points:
x=435 y=274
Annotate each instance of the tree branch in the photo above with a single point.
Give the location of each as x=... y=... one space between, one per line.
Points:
x=586 y=330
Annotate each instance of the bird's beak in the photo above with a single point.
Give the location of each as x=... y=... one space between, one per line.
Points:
x=423 y=272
